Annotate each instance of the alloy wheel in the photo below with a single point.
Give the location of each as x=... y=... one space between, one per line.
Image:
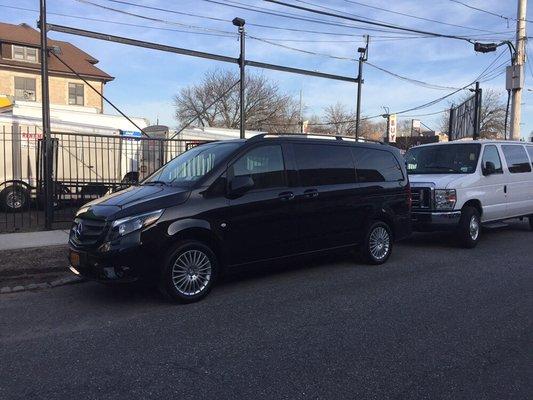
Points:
x=191 y=272
x=379 y=243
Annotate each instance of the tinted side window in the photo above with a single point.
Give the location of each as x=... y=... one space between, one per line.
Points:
x=516 y=158
x=320 y=164
x=491 y=154
x=530 y=152
x=264 y=165
x=376 y=165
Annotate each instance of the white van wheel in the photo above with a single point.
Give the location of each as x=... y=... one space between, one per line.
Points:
x=469 y=227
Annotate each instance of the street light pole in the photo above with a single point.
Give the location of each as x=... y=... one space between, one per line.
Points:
x=45 y=100
x=239 y=22
x=363 y=56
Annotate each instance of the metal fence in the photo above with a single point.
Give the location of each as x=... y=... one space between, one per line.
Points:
x=84 y=167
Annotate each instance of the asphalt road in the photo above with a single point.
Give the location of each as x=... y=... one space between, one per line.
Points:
x=436 y=322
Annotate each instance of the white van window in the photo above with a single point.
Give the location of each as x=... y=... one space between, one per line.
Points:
x=516 y=158
x=491 y=154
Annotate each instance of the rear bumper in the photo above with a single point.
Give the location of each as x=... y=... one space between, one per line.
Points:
x=435 y=221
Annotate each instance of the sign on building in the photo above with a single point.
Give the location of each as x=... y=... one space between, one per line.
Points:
x=392 y=128
x=415 y=127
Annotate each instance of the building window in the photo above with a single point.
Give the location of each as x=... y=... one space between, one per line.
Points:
x=23 y=53
x=75 y=94
x=25 y=89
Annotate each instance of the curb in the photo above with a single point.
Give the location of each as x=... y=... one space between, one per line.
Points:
x=69 y=280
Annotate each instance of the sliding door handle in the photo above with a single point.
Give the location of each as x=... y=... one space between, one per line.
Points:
x=286 y=196
x=311 y=193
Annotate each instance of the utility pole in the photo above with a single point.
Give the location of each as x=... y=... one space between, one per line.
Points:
x=516 y=96
x=363 y=56
x=387 y=117
x=46 y=155
x=239 y=22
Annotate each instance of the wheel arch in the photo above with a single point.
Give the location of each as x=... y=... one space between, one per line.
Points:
x=199 y=230
x=475 y=203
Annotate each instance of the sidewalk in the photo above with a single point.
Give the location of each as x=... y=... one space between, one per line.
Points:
x=34 y=260
x=24 y=240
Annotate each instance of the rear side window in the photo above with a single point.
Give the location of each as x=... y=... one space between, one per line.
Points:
x=491 y=154
x=376 y=165
x=516 y=158
x=324 y=164
x=530 y=152
x=264 y=165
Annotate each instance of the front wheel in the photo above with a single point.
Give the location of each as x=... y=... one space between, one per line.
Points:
x=189 y=272
x=469 y=227
x=377 y=246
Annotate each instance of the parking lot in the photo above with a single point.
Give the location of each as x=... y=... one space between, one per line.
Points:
x=435 y=322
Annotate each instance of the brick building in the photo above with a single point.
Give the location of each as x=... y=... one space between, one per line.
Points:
x=20 y=70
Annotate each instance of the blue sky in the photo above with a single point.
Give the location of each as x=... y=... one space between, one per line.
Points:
x=146 y=80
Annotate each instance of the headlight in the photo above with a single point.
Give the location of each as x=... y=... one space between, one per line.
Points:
x=445 y=199
x=123 y=226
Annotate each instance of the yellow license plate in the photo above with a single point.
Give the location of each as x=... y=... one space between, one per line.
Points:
x=74 y=259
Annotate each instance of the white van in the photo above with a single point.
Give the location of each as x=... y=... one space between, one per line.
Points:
x=462 y=185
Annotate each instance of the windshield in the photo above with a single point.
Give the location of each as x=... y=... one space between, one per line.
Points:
x=443 y=159
x=192 y=165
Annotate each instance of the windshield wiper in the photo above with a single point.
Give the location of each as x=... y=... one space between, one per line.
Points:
x=156 y=182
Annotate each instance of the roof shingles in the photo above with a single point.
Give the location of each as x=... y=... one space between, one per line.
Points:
x=80 y=61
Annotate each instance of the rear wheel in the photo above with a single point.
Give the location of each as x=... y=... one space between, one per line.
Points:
x=14 y=198
x=377 y=246
x=469 y=227
x=189 y=272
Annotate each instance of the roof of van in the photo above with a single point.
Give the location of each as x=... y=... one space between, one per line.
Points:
x=481 y=141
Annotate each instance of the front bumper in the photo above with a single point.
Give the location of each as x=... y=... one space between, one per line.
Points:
x=435 y=221
x=123 y=266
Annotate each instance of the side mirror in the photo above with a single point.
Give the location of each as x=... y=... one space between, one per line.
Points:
x=240 y=185
x=489 y=168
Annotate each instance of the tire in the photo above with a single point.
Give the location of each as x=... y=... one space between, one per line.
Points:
x=189 y=272
x=469 y=231
x=378 y=242
x=14 y=198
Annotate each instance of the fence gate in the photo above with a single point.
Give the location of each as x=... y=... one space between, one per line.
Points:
x=84 y=167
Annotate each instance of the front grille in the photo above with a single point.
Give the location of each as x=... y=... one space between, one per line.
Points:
x=86 y=232
x=421 y=198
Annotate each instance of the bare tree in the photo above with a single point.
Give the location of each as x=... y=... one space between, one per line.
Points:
x=265 y=106
x=340 y=120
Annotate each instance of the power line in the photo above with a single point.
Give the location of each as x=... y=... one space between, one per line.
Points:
x=365 y=21
x=235 y=4
x=98 y=92
x=154 y=19
x=287 y=15
x=120 y=22
x=302 y=50
x=488 y=12
x=414 y=16
x=411 y=80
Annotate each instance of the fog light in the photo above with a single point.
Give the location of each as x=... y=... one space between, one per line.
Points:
x=105 y=247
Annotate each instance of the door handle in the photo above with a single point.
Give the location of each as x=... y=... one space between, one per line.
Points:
x=504 y=188
x=286 y=196
x=310 y=193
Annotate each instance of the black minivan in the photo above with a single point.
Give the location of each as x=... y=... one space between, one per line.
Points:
x=230 y=203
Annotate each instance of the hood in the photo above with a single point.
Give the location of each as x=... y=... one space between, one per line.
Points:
x=134 y=200
x=438 y=181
